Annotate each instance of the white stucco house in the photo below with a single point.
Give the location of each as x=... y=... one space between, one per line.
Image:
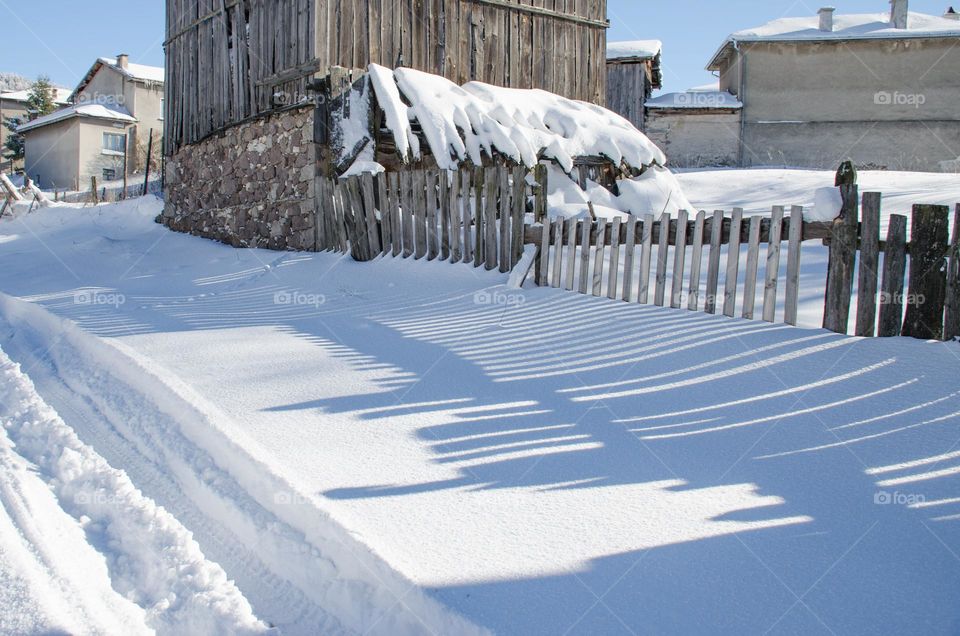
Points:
x=103 y=130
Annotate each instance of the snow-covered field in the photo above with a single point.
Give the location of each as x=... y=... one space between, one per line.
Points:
x=409 y=447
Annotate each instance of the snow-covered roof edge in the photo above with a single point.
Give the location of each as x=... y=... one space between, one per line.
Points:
x=861 y=26
x=696 y=99
x=61 y=95
x=138 y=72
x=94 y=111
x=634 y=49
x=462 y=123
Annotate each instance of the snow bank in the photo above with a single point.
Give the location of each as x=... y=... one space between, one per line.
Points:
x=654 y=192
x=462 y=123
x=152 y=560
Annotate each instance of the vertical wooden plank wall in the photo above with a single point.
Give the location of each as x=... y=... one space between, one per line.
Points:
x=229 y=60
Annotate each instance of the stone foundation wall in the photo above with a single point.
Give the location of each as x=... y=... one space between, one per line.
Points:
x=252 y=186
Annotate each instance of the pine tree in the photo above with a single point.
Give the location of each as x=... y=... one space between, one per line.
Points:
x=42 y=98
x=13 y=148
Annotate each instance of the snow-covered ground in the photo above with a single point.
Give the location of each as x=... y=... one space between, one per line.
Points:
x=410 y=447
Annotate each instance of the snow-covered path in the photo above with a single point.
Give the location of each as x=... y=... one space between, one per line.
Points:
x=402 y=444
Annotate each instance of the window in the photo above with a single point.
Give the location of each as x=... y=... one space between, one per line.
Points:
x=109 y=174
x=114 y=144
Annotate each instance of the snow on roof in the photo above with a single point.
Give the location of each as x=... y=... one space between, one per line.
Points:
x=137 y=71
x=863 y=26
x=97 y=111
x=634 y=49
x=702 y=97
x=463 y=123
x=61 y=95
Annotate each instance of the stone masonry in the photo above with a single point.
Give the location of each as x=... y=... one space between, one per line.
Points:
x=250 y=186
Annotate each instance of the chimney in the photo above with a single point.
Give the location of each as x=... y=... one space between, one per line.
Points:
x=122 y=60
x=899 y=12
x=826 y=19
x=951 y=14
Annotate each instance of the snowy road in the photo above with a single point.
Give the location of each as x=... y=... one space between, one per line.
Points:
x=394 y=448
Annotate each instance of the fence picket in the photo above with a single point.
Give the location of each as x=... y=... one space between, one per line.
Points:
x=503 y=177
x=794 y=247
x=733 y=264
x=843 y=255
x=713 y=269
x=951 y=320
x=445 y=210
x=585 y=235
x=466 y=216
x=544 y=260
x=646 y=246
x=679 y=256
x=614 y=272
x=894 y=270
x=629 y=255
x=369 y=211
x=557 y=260
x=773 y=265
x=406 y=212
x=598 y=257
x=420 y=214
x=696 y=262
x=432 y=193
x=570 y=231
x=386 y=231
x=479 y=232
x=490 y=219
x=869 y=264
x=753 y=260
x=518 y=212
x=663 y=248
x=454 y=209
x=929 y=240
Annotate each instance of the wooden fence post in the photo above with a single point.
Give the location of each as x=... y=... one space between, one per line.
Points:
x=679 y=258
x=951 y=319
x=843 y=255
x=928 y=276
x=540 y=199
x=869 y=264
x=696 y=262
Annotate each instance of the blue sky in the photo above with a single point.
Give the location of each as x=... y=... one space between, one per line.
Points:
x=62 y=38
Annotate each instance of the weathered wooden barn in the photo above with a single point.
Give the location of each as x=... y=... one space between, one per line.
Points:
x=249 y=85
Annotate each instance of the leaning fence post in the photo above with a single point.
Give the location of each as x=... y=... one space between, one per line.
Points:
x=540 y=200
x=928 y=275
x=951 y=319
x=869 y=263
x=843 y=256
x=894 y=269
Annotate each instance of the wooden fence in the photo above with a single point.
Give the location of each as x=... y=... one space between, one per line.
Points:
x=477 y=216
x=474 y=215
